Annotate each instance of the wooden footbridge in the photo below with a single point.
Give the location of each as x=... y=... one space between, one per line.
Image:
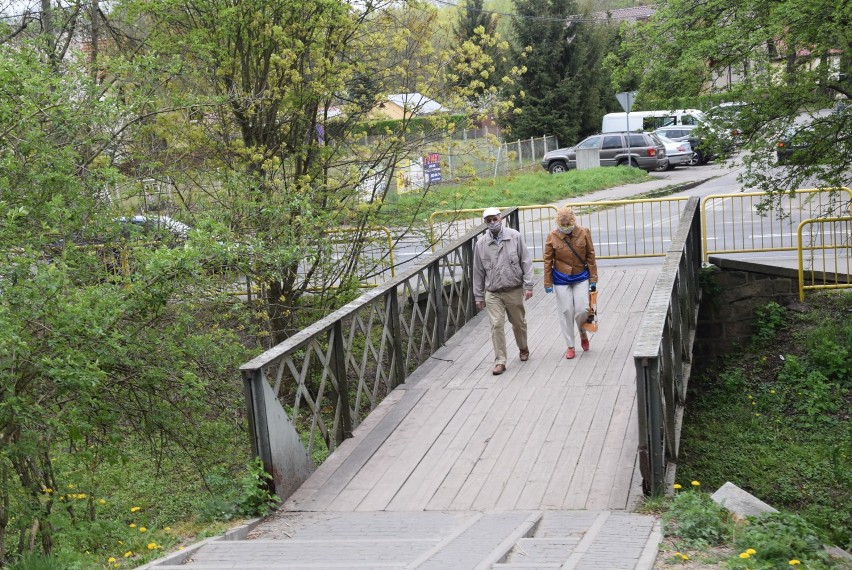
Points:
x=430 y=461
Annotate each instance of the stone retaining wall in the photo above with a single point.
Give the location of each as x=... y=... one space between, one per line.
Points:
x=727 y=316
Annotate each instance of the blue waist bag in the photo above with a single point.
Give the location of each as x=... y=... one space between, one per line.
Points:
x=560 y=278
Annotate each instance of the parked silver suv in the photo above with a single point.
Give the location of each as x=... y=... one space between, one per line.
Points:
x=647 y=152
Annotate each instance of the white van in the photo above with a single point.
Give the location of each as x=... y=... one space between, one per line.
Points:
x=649 y=120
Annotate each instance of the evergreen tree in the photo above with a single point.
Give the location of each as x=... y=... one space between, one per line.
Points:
x=564 y=91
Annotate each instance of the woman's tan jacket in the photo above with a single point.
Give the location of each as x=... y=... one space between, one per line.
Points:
x=558 y=255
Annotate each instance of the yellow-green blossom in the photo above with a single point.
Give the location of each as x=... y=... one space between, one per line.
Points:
x=696 y=484
x=745 y=555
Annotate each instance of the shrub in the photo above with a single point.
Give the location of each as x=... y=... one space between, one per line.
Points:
x=769 y=320
x=772 y=540
x=697 y=520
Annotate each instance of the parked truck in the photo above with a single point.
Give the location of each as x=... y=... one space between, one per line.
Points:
x=649 y=120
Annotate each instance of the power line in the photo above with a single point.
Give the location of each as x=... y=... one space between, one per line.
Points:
x=593 y=17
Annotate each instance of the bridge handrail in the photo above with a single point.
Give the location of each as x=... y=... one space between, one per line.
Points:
x=663 y=353
x=376 y=341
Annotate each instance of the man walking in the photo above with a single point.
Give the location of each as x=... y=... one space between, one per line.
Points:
x=502 y=281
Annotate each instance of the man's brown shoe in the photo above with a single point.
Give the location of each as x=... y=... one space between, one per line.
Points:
x=525 y=354
x=499 y=369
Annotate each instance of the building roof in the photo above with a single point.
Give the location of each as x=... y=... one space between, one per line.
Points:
x=416 y=103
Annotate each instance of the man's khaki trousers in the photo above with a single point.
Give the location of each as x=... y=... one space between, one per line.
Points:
x=499 y=305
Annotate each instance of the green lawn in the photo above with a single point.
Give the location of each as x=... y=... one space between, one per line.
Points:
x=520 y=189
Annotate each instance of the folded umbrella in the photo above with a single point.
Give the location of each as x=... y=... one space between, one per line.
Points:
x=591 y=324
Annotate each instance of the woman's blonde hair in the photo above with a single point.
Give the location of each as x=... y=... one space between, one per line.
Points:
x=565 y=216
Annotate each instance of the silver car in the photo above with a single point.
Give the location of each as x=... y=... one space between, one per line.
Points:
x=646 y=151
x=677 y=153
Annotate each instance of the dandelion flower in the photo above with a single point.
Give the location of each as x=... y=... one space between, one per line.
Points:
x=111 y=559
x=132 y=525
x=134 y=509
x=752 y=551
x=794 y=562
x=745 y=555
x=696 y=484
x=128 y=554
x=143 y=529
x=102 y=501
x=677 y=486
x=684 y=557
x=152 y=545
x=168 y=529
x=71 y=485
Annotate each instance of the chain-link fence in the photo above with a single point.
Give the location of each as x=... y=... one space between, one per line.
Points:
x=457 y=158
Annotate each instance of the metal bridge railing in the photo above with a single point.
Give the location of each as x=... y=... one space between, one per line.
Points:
x=828 y=242
x=663 y=354
x=750 y=222
x=307 y=394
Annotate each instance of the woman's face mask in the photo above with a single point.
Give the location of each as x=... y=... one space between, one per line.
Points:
x=566 y=229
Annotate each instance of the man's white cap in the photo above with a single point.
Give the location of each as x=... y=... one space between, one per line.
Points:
x=490 y=212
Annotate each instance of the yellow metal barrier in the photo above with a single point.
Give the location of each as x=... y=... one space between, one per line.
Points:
x=744 y=223
x=536 y=221
x=631 y=228
x=832 y=236
x=620 y=228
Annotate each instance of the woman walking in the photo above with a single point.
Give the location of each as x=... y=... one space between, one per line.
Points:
x=571 y=272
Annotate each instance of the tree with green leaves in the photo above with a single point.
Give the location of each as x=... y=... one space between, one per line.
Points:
x=481 y=62
x=291 y=89
x=789 y=62
x=563 y=90
x=104 y=344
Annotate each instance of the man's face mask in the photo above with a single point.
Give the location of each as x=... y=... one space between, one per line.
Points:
x=493 y=224
x=566 y=229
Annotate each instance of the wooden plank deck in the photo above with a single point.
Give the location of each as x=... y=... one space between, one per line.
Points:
x=549 y=433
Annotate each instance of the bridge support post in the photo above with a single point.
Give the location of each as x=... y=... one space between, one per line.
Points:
x=392 y=312
x=437 y=291
x=344 y=420
x=253 y=381
x=651 y=440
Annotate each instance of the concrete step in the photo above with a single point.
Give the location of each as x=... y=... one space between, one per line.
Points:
x=430 y=540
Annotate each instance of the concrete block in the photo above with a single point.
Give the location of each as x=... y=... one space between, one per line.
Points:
x=739 y=502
